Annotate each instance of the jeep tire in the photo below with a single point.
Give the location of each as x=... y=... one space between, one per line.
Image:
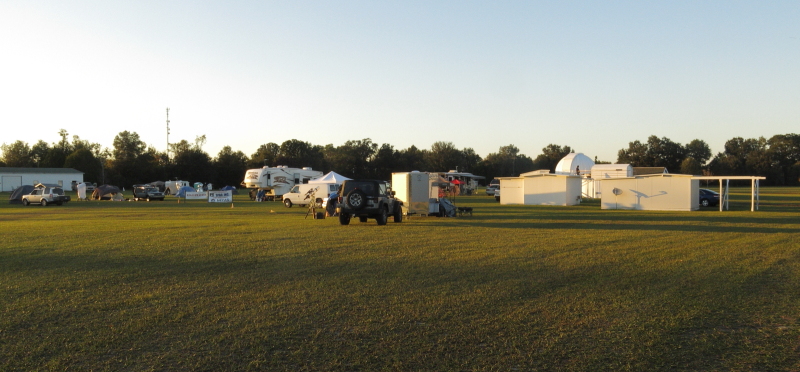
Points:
x=356 y=200
x=344 y=219
x=398 y=213
x=382 y=216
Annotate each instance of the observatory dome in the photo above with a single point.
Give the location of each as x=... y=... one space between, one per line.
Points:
x=569 y=163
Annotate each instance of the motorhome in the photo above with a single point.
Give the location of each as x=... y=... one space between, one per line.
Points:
x=279 y=180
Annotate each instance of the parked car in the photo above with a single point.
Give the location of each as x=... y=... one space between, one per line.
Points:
x=490 y=190
x=497 y=195
x=709 y=198
x=368 y=199
x=147 y=192
x=44 y=195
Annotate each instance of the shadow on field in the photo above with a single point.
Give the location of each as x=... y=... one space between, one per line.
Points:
x=423 y=313
x=628 y=221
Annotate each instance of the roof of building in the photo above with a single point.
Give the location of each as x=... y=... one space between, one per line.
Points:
x=39 y=170
x=639 y=171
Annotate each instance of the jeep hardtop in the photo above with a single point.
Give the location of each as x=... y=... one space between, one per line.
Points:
x=368 y=199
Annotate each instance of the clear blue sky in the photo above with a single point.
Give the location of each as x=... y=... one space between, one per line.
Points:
x=591 y=75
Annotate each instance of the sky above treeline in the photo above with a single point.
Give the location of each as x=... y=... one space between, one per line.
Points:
x=593 y=75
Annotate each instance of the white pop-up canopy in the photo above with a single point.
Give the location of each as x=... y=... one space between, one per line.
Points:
x=331 y=177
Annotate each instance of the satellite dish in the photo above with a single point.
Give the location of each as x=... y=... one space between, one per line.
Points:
x=616 y=191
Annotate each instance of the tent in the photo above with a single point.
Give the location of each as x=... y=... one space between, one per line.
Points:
x=105 y=192
x=232 y=189
x=16 y=195
x=183 y=190
x=331 y=177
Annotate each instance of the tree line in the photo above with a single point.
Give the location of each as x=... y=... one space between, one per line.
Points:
x=131 y=161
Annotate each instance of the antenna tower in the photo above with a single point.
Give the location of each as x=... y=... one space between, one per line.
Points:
x=167 y=133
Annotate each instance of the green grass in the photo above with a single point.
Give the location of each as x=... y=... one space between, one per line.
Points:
x=197 y=286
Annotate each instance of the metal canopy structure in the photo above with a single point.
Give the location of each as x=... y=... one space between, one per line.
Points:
x=723 y=189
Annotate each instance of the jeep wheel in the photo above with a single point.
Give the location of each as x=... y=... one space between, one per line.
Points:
x=362 y=218
x=344 y=219
x=356 y=199
x=382 y=216
x=44 y=202
x=287 y=203
x=25 y=202
x=398 y=214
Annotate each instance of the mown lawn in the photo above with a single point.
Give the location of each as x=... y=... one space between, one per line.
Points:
x=197 y=286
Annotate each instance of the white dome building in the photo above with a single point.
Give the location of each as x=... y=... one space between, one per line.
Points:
x=573 y=161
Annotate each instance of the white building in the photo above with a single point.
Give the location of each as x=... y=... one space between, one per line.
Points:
x=655 y=192
x=536 y=188
x=592 y=186
x=11 y=178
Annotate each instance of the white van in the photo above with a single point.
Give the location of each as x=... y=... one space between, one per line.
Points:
x=298 y=193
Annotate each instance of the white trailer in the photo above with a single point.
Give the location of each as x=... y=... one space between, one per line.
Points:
x=172 y=187
x=419 y=192
x=278 y=180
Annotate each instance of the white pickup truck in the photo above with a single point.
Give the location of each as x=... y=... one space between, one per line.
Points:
x=44 y=195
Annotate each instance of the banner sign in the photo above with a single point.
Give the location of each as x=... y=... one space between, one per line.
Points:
x=220 y=196
x=196 y=195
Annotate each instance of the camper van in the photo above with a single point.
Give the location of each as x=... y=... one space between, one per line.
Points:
x=297 y=196
x=278 y=180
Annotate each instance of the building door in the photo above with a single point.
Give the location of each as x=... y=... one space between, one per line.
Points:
x=10 y=183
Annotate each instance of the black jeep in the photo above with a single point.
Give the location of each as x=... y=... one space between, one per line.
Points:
x=368 y=199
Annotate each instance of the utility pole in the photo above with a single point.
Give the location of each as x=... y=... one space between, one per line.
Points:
x=167 y=133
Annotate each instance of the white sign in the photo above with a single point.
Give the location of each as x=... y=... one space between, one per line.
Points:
x=220 y=196
x=196 y=195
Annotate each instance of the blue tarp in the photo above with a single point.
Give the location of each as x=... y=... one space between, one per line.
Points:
x=182 y=192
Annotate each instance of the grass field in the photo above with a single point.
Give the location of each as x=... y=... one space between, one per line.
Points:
x=110 y=286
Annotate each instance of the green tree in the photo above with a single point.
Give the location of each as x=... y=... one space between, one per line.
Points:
x=691 y=166
x=443 y=156
x=385 y=161
x=39 y=152
x=266 y=154
x=191 y=163
x=230 y=167
x=353 y=158
x=550 y=156
x=17 y=154
x=636 y=155
x=698 y=150
x=84 y=160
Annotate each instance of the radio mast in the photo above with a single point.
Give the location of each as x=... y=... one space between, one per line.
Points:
x=167 y=133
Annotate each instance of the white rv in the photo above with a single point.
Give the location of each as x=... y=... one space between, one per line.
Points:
x=278 y=180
